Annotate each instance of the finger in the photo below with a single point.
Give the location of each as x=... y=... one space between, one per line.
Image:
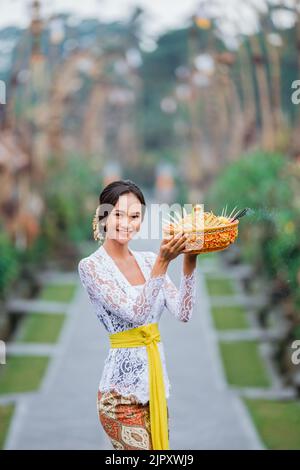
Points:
x=166 y=239
x=175 y=238
x=181 y=248
x=169 y=241
x=181 y=242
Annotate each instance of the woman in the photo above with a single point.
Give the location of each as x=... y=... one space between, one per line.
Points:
x=129 y=290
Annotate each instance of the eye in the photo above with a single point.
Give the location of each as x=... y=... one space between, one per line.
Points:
x=135 y=216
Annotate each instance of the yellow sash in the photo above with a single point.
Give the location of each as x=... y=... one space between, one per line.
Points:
x=149 y=335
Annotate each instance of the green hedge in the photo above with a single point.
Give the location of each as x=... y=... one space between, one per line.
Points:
x=9 y=264
x=268 y=235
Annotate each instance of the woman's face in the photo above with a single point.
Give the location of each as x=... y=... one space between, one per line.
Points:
x=125 y=219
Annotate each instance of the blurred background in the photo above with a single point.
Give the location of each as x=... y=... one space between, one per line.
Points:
x=196 y=102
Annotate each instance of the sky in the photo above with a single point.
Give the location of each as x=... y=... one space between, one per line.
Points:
x=160 y=16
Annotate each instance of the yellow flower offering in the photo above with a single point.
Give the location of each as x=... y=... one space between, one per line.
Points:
x=206 y=231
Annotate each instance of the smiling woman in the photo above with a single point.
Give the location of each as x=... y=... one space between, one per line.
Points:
x=120 y=212
x=129 y=291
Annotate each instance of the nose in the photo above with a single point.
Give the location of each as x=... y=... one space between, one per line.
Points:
x=125 y=224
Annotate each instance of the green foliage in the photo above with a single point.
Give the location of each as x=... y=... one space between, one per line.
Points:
x=23 y=373
x=71 y=196
x=278 y=422
x=58 y=292
x=41 y=327
x=219 y=286
x=230 y=317
x=6 y=414
x=268 y=233
x=35 y=254
x=243 y=364
x=9 y=264
x=251 y=182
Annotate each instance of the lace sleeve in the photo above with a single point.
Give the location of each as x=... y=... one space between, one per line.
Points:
x=180 y=302
x=100 y=286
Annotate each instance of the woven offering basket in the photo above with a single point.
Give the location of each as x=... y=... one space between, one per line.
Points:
x=207 y=240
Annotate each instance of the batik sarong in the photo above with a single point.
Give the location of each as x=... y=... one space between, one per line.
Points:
x=125 y=420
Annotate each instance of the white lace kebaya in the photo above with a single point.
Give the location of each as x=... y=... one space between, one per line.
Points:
x=121 y=306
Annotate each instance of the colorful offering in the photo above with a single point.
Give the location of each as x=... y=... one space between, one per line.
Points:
x=206 y=231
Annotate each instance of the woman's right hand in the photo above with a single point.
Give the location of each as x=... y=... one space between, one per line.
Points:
x=172 y=246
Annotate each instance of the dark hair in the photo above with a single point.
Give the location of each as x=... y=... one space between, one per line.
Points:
x=111 y=193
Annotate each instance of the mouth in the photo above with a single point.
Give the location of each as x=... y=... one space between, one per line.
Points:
x=123 y=231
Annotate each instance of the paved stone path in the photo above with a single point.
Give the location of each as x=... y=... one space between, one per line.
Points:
x=204 y=412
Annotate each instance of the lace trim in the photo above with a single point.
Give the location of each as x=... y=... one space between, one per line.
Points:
x=104 y=288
